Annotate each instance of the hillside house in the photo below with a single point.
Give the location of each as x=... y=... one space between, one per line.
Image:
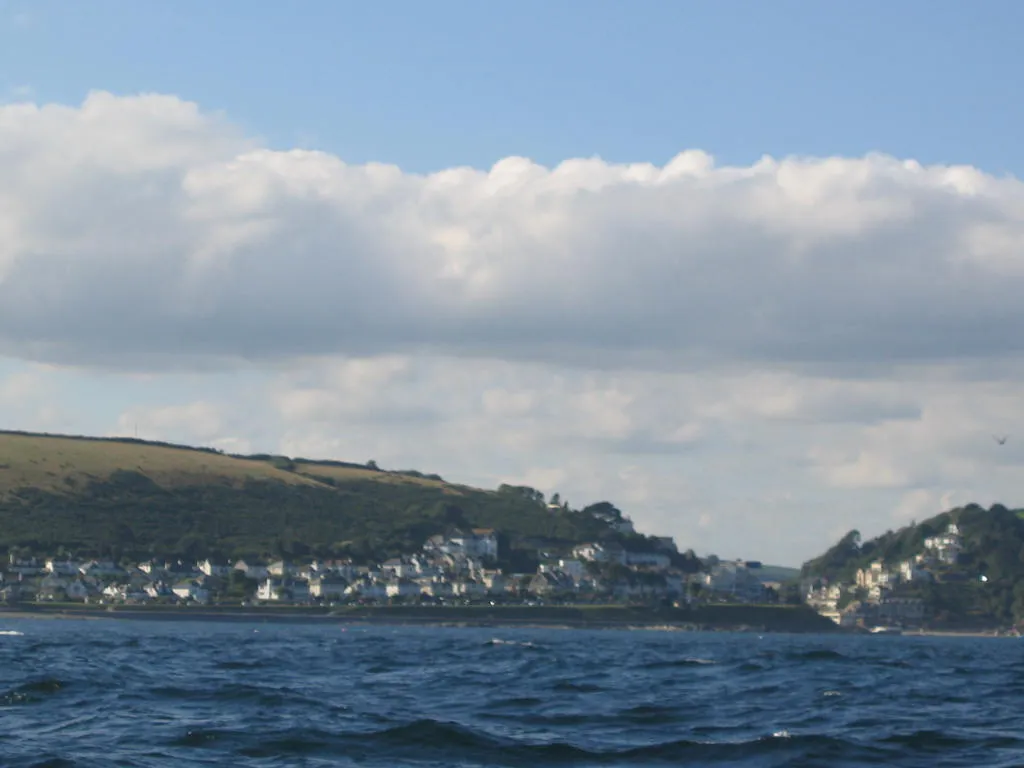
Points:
x=210 y=568
x=256 y=571
x=875 y=576
x=947 y=546
x=911 y=571
x=600 y=553
x=574 y=569
x=480 y=542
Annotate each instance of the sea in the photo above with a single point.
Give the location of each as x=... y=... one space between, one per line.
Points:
x=148 y=693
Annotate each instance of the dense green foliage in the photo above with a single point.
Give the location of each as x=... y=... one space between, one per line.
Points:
x=985 y=585
x=340 y=509
x=130 y=514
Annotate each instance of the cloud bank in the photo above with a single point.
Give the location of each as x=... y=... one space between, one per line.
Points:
x=144 y=232
x=753 y=359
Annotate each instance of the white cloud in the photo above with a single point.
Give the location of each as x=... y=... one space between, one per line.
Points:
x=748 y=358
x=143 y=231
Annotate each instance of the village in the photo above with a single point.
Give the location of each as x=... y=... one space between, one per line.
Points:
x=454 y=568
x=878 y=597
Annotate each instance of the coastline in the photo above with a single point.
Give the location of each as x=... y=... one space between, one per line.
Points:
x=760 y=619
x=720 y=618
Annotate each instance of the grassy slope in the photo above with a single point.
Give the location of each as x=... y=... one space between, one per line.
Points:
x=63 y=464
x=129 y=496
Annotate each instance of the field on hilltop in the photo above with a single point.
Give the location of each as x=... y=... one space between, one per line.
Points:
x=121 y=497
x=62 y=464
x=67 y=464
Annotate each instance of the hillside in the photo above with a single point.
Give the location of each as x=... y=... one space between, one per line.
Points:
x=123 y=497
x=985 y=583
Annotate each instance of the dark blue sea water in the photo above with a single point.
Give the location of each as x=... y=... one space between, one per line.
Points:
x=135 y=693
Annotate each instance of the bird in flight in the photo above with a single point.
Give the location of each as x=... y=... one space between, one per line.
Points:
x=1001 y=440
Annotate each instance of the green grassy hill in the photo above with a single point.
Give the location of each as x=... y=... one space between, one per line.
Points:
x=125 y=497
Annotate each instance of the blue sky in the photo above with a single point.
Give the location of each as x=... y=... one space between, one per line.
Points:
x=433 y=85
x=752 y=360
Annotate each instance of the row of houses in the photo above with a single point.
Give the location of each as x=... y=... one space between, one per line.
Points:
x=460 y=564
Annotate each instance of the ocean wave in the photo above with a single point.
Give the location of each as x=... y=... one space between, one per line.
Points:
x=687 y=662
x=516 y=643
x=435 y=740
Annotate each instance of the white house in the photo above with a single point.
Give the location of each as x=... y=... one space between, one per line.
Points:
x=947 y=546
x=251 y=570
x=436 y=588
x=279 y=568
x=368 y=590
x=276 y=590
x=191 y=590
x=158 y=589
x=403 y=588
x=480 y=542
x=875 y=575
x=469 y=588
x=910 y=571
x=600 y=553
x=493 y=581
x=62 y=567
x=327 y=587
x=211 y=568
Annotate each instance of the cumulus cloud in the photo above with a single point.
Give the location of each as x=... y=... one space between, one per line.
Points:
x=752 y=359
x=143 y=231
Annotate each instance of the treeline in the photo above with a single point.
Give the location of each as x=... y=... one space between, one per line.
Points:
x=128 y=514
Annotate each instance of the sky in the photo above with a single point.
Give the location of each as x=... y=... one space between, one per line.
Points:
x=751 y=271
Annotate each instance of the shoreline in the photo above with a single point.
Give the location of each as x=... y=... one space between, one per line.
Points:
x=751 y=619
x=734 y=618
